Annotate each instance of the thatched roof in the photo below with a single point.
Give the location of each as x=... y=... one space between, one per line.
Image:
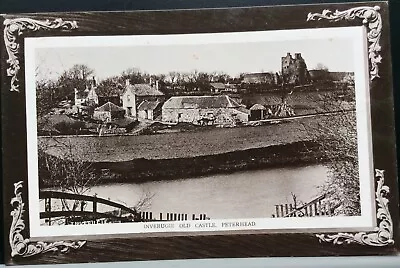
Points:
x=257 y=107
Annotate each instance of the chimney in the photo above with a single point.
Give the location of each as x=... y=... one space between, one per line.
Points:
x=150 y=81
x=94 y=82
x=127 y=82
x=157 y=84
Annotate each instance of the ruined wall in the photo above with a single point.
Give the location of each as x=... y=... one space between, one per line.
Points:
x=294 y=70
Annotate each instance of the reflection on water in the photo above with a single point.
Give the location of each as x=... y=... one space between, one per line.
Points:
x=248 y=194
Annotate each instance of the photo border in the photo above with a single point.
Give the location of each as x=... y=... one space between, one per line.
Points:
x=383 y=235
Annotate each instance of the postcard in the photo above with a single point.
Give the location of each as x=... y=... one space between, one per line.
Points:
x=130 y=131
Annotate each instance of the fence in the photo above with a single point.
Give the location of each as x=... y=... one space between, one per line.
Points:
x=148 y=216
x=120 y=213
x=314 y=208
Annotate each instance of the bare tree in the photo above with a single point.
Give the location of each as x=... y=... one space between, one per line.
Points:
x=337 y=138
x=321 y=66
x=67 y=171
x=62 y=166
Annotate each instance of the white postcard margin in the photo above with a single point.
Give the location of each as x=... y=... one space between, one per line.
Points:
x=366 y=221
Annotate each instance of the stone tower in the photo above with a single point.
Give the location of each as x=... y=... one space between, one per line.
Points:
x=294 y=70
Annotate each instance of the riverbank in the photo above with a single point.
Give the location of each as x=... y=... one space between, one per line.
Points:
x=144 y=170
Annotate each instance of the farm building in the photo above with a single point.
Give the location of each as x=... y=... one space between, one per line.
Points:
x=217 y=87
x=136 y=94
x=325 y=75
x=259 y=112
x=108 y=112
x=149 y=110
x=260 y=78
x=219 y=110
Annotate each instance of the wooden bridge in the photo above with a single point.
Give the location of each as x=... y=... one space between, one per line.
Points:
x=116 y=213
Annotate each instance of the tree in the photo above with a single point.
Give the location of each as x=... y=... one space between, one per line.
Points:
x=135 y=76
x=77 y=77
x=62 y=167
x=46 y=96
x=110 y=86
x=321 y=66
x=322 y=74
x=337 y=138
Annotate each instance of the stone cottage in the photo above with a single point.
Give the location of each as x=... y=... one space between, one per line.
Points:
x=108 y=112
x=204 y=110
x=134 y=95
x=149 y=110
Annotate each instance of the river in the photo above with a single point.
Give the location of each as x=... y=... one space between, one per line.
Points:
x=247 y=194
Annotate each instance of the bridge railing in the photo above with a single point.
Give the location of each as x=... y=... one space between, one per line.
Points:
x=316 y=207
x=48 y=196
x=117 y=212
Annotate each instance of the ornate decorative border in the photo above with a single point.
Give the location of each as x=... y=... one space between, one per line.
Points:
x=383 y=233
x=16 y=27
x=371 y=18
x=23 y=247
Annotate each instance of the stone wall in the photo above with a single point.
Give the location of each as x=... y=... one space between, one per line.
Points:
x=102 y=115
x=218 y=116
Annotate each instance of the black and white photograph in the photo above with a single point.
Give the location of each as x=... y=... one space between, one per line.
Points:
x=196 y=128
x=192 y=134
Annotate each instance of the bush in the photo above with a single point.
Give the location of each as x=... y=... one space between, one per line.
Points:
x=70 y=127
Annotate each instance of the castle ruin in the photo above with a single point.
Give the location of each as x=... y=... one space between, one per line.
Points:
x=294 y=70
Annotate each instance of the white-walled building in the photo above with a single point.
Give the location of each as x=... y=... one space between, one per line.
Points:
x=219 y=110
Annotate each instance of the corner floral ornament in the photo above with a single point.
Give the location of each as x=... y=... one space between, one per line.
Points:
x=383 y=233
x=16 y=27
x=24 y=247
x=371 y=18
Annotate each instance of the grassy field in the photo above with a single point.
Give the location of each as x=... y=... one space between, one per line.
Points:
x=303 y=102
x=182 y=144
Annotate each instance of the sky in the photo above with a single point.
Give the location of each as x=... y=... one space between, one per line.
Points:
x=230 y=58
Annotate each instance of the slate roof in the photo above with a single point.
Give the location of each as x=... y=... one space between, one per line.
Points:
x=257 y=107
x=148 y=105
x=200 y=102
x=264 y=74
x=109 y=107
x=143 y=90
x=218 y=85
